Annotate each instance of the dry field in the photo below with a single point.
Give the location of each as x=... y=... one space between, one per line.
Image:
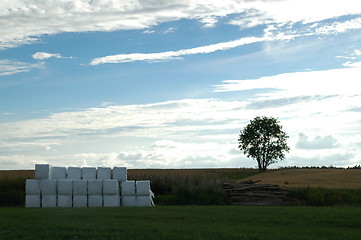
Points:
x=327 y=178
x=16 y=174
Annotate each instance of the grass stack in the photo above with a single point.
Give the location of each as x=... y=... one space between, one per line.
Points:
x=85 y=187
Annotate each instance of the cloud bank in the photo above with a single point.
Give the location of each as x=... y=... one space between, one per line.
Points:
x=23 y=21
x=199 y=132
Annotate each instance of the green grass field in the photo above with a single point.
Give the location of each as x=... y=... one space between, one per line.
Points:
x=182 y=222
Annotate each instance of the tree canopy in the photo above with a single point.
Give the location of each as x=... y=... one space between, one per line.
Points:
x=264 y=140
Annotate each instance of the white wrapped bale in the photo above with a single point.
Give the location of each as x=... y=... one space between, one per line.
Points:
x=128 y=188
x=48 y=187
x=111 y=187
x=65 y=187
x=104 y=173
x=143 y=188
x=65 y=201
x=120 y=173
x=88 y=173
x=95 y=187
x=33 y=201
x=32 y=187
x=42 y=171
x=80 y=201
x=95 y=200
x=48 y=201
x=129 y=201
x=58 y=173
x=111 y=200
x=74 y=173
x=80 y=187
x=144 y=201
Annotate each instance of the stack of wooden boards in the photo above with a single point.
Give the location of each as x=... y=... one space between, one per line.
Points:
x=250 y=193
x=85 y=187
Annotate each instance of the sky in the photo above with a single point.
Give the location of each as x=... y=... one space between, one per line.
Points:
x=170 y=84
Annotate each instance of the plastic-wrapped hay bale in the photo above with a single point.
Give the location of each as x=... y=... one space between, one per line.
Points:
x=65 y=201
x=88 y=173
x=95 y=187
x=74 y=173
x=128 y=188
x=95 y=200
x=110 y=187
x=143 y=188
x=48 y=187
x=129 y=201
x=32 y=187
x=80 y=187
x=80 y=201
x=58 y=173
x=120 y=173
x=111 y=200
x=33 y=201
x=65 y=187
x=48 y=201
x=104 y=173
x=144 y=201
x=42 y=171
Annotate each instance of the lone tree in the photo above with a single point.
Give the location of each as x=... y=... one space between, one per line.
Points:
x=263 y=140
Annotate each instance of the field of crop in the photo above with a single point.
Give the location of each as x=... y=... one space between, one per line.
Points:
x=182 y=222
x=314 y=178
x=16 y=174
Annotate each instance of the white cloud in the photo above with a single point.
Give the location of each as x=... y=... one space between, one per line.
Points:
x=340 y=27
x=149 y=31
x=352 y=64
x=23 y=21
x=45 y=55
x=317 y=142
x=8 y=67
x=326 y=82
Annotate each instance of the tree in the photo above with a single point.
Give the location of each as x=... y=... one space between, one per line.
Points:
x=263 y=140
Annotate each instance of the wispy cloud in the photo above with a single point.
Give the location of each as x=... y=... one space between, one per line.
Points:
x=45 y=55
x=8 y=67
x=169 y=55
x=271 y=33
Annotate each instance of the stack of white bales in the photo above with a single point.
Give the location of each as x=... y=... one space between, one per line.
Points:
x=85 y=187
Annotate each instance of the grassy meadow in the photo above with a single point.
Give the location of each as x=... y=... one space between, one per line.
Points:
x=182 y=222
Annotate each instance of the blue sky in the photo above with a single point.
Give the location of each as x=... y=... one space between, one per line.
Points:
x=169 y=84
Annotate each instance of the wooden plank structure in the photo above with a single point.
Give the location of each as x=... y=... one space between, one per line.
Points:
x=250 y=193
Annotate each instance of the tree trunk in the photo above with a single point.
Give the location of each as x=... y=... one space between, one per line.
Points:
x=259 y=165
